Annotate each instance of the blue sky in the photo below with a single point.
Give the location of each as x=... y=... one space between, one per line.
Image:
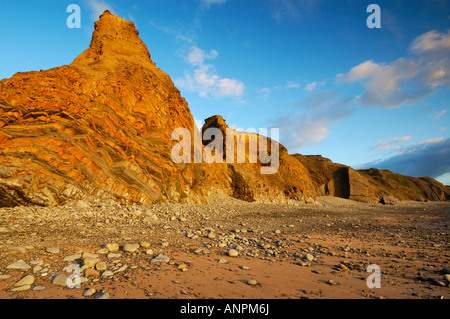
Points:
x=362 y=97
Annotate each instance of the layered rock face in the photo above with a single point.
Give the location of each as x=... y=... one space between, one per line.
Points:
x=100 y=126
x=289 y=179
x=331 y=179
x=386 y=183
x=370 y=186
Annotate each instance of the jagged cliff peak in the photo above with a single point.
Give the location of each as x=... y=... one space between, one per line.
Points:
x=114 y=41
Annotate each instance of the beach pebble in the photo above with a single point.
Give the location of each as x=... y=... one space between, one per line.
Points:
x=112 y=247
x=233 y=253
x=160 y=259
x=252 y=282
x=130 y=248
x=60 y=280
x=89 y=292
x=27 y=280
x=103 y=295
x=19 y=265
x=53 y=250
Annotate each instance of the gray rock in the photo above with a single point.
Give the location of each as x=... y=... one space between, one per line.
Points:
x=160 y=259
x=222 y=261
x=39 y=288
x=309 y=257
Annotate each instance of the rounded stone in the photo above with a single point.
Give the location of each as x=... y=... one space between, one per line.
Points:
x=252 y=282
x=26 y=280
x=112 y=247
x=233 y=253
x=21 y=288
x=19 y=265
x=89 y=292
x=60 y=280
x=130 y=248
x=90 y=262
x=100 y=266
x=53 y=250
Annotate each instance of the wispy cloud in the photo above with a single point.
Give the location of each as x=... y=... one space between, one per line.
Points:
x=313 y=85
x=292 y=10
x=426 y=158
x=208 y=3
x=203 y=78
x=389 y=145
x=97 y=8
x=438 y=115
x=404 y=81
x=308 y=122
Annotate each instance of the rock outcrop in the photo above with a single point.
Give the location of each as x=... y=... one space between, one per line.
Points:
x=386 y=183
x=331 y=179
x=289 y=180
x=370 y=186
x=99 y=126
x=103 y=126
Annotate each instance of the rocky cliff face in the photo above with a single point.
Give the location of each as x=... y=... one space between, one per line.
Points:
x=370 y=186
x=102 y=126
x=331 y=179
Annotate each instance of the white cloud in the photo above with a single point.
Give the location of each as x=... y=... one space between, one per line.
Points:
x=404 y=81
x=313 y=85
x=389 y=145
x=429 y=141
x=264 y=93
x=292 y=85
x=208 y=3
x=292 y=10
x=438 y=115
x=98 y=7
x=203 y=78
x=308 y=122
x=432 y=41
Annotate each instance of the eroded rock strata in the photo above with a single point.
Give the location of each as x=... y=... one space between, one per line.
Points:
x=102 y=127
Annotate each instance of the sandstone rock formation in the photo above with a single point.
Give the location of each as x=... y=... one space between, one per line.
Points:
x=290 y=179
x=102 y=126
x=331 y=179
x=371 y=186
x=385 y=182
